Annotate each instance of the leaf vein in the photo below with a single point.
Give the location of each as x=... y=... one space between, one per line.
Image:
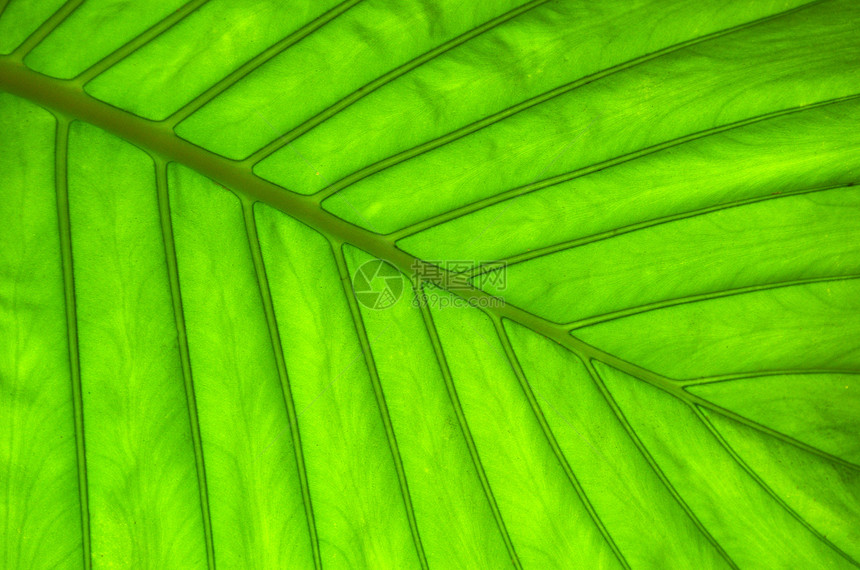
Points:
x=693 y=399
x=604 y=164
x=536 y=100
x=464 y=425
x=65 y=231
x=743 y=465
x=618 y=231
x=383 y=80
x=286 y=391
x=45 y=29
x=184 y=357
x=379 y=395
x=704 y=297
x=652 y=463
x=137 y=42
x=257 y=61
x=746 y=375
x=553 y=443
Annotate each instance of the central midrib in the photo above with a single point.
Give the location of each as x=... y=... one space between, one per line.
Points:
x=68 y=99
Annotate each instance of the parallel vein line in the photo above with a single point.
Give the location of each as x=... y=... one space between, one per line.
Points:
x=746 y=468
x=184 y=357
x=704 y=297
x=667 y=385
x=383 y=80
x=750 y=375
x=65 y=229
x=652 y=463
x=553 y=443
x=538 y=99
x=433 y=334
x=618 y=231
x=61 y=97
x=602 y=165
x=693 y=399
x=672 y=387
x=68 y=99
x=257 y=61
x=137 y=42
x=361 y=332
x=286 y=391
x=71 y=322
x=45 y=29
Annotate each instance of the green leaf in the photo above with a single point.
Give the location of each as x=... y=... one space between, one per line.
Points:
x=413 y=284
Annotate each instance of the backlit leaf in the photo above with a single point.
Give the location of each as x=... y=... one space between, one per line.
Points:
x=429 y=284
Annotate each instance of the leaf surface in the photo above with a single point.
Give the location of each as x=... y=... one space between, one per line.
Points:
x=617 y=324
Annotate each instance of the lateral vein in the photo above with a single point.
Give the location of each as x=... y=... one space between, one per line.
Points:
x=747 y=375
x=137 y=42
x=65 y=230
x=652 y=463
x=286 y=391
x=603 y=165
x=464 y=426
x=645 y=224
x=185 y=360
x=536 y=100
x=361 y=331
x=704 y=297
x=746 y=468
x=45 y=29
x=383 y=80
x=693 y=399
x=553 y=443
x=257 y=61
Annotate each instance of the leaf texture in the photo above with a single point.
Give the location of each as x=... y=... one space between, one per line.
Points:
x=652 y=359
